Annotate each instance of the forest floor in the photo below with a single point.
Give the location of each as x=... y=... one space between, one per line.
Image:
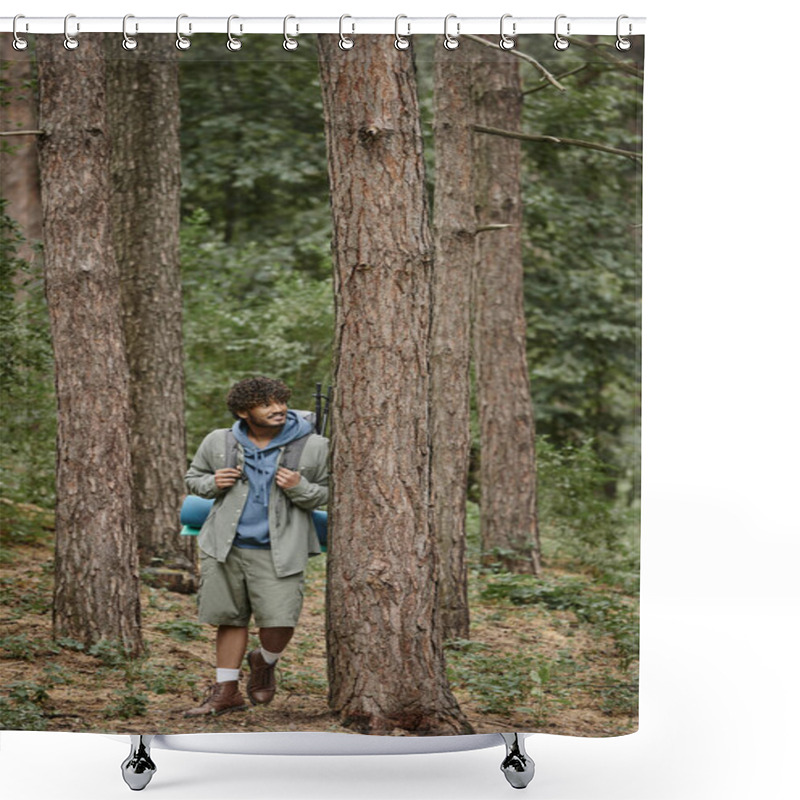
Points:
x=552 y=656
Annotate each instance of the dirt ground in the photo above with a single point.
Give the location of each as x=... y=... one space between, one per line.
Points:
x=59 y=687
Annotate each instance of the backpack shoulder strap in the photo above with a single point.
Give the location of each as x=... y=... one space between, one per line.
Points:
x=230 y=449
x=293 y=451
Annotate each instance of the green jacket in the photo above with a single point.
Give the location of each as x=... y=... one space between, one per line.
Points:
x=292 y=534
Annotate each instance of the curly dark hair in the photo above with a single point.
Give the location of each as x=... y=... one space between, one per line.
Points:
x=252 y=392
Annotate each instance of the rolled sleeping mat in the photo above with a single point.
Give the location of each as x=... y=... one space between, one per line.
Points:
x=321 y=524
x=194 y=511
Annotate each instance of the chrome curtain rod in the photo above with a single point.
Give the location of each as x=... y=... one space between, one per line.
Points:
x=345 y=24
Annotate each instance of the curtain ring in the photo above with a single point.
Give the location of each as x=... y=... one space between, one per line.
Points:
x=128 y=42
x=70 y=42
x=288 y=42
x=560 y=42
x=506 y=42
x=451 y=42
x=622 y=43
x=401 y=42
x=18 y=43
x=345 y=43
x=181 y=42
x=233 y=43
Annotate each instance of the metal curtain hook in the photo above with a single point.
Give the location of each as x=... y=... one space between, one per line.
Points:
x=288 y=42
x=560 y=42
x=401 y=42
x=622 y=43
x=18 y=43
x=451 y=42
x=70 y=42
x=129 y=42
x=345 y=43
x=506 y=42
x=233 y=43
x=181 y=42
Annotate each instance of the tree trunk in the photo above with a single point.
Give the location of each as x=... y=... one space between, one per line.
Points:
x=144 y=116
x=385 y=658
x=454 y=235
x=96 y=571
x=19 y=170
x=509 y=527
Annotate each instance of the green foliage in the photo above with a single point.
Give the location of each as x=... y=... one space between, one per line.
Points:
x=499 y=684
x=246 y=314
x=24 y=523
x=21 y=646
x=110 y=653
x=160 y=679
x=182 y=630
x=582 y=263
x=22 y=708
x=609 y=612
x=253 y=147
x=128 y=704
x=27 y=399
x=20 y=600
x=577 y=518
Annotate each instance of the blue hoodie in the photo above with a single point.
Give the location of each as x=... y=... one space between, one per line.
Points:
x=260 y=466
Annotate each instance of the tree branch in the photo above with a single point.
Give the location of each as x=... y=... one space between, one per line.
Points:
x=548 y=76
x=533 y=137
x=600 y=49
x=21 y=133
x=496 y=227
x=543 y=84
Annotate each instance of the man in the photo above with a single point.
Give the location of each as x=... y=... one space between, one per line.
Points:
x=258 y=536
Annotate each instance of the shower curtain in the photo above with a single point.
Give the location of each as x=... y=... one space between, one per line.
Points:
x=448 y=237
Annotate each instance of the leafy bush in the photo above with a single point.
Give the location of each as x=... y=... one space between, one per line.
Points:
x=27 y=394
x=577 y=518
x=128 y=704
x=110 y=653
x=607 y=611
x=23 y=709
x=182 y=630
x=499 y=684
x=22 y=647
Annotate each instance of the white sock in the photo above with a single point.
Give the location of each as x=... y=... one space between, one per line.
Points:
x=270 y=658
x=225 y=675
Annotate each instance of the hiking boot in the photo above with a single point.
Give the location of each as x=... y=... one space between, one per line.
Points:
x=221 y=698
x=261 y=683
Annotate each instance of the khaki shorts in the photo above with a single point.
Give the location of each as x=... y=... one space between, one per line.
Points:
x=246 y=585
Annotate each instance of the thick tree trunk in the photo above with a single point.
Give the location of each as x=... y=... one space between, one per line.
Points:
x=144 y=115
x=385 y=658
x=454 y=235
x=509 y=527
x=96 y=570
x=19 y=169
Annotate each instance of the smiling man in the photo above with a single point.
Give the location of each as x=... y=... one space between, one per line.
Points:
x=258 y=536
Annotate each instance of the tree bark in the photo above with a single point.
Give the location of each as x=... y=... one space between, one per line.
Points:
x=144 y=116
x=385 y=658
x=509 y=528
x=454 y=235
x=96 y=592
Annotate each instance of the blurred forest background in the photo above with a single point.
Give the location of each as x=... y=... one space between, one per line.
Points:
x=256 y=266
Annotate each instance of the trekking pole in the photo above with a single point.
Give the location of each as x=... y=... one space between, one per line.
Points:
x=326 y=412
x=318 y=408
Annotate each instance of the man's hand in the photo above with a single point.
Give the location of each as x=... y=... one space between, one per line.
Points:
x=225 y=478
x=286 y=478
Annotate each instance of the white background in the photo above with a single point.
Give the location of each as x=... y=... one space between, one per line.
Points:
x=720 y=602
